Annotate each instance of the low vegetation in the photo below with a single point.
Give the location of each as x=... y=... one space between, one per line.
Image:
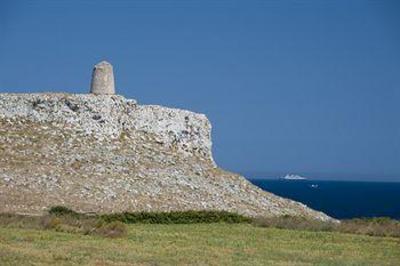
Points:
x=196 y=244
x=382 y=226
x=62 y=219
x=64 y=236
x=183 y=217
x=365 y=226
x=112 y=229
x=65 y=223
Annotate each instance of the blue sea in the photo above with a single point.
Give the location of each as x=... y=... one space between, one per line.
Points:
x=340 y=199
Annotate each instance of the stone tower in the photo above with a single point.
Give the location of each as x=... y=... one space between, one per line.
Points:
x=102 y=79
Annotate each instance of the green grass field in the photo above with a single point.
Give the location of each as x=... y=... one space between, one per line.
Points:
x=199 y=244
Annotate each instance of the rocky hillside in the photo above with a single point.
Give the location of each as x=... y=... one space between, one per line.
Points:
x=105 y=153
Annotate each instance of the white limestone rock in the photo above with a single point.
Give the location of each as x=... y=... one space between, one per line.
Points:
x=107 y=117
x=105 y=153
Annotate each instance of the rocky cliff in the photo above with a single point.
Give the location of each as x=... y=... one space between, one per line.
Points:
x=105 y=153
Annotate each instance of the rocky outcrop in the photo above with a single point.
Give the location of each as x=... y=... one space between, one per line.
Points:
x=109 y=117
x=105 y=153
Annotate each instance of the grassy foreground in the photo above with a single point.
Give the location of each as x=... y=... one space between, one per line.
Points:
x=204 y=244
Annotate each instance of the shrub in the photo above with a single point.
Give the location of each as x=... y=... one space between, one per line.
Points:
x=381 y=226
x=20 y=221
x=114 y=229
x=63 y=211
x=63 y=219
x=175 y=217
x=294 y=223
x=50 y=222
x=180 y=217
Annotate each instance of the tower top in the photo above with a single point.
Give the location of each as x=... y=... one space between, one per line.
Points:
x=102 y=79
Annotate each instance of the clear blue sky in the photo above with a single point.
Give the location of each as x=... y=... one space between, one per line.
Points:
x=309 y=87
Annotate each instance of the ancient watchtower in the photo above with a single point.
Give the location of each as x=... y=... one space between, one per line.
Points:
x=102 y=79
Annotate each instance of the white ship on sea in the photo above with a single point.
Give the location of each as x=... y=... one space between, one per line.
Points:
x=293 y=177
